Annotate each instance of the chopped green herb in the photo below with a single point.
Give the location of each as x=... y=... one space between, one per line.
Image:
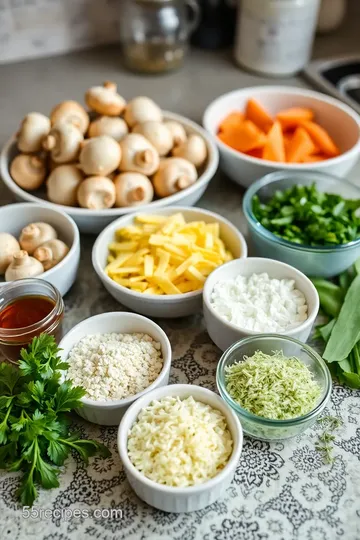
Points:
x=326 y=439
x=304 y=215
x=34 y=432
x=272 y=386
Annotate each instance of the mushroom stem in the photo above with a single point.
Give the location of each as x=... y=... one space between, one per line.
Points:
x=43 y=253
x=36 y=162
x=20 y=258
x=49 y=142
x=31 y=231
x=136 y=195
x=110 y=86
x=143 y=158
x=183 y=182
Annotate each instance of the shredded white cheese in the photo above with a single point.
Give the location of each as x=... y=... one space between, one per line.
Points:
x=114 y=366
x=260 y=303
x=180 y=442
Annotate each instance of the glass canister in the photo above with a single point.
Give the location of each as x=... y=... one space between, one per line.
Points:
x=28 y=308
x=275 y=37
x=155 y=33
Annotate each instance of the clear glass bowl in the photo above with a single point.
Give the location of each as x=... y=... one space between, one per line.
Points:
x=264 y=428
x=322 y=261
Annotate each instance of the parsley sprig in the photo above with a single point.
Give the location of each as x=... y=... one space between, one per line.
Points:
x=34 y=427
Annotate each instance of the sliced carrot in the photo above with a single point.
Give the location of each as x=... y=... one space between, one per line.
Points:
x=291 y=118
x=233 y=120
x=274 y=149
x=314 y=158
x=256 y=152
x=257 y=114
x=244 y=138
x=321 y=138
x=300 y=146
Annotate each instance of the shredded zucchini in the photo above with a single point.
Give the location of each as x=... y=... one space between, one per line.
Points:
x=272 y=386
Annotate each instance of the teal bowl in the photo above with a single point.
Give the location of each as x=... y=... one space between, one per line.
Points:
x=264 y=428
x=320 y=261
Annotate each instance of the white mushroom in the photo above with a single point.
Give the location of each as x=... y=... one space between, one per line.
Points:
x=63 y=183
x=70 y=112
x=51 y=253
x=23 y=266
x=142 y=109
x=193 y=149
x=34 y=127
x=177 y=131
x=28 y=171
x=174 y=174
x=8 y=246
x=97 y=193
x=133 y=189
x=35 y=234
x=105 y=99
x=158 y=134
x=138 y=155
x=108 y=125
x=63 y=142
x=100 y=156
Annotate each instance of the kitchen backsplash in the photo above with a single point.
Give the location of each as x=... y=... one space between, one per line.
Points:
x=34 y=28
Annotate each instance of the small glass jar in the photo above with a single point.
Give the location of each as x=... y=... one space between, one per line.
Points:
x=24 y=294
x=154 y=33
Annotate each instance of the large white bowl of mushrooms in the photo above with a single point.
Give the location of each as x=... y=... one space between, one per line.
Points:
x=38 y=241
x=109 y=160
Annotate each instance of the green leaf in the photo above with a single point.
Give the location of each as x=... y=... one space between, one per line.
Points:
x=5 y=401
x=345 y=280
x=7 y=453
x=67 y=397
x=325 y=331
x=4 y=427
x=357 y=266
x=27 y=491
x=37 y=390
x=331 y=296
x=46 y=474
x=86 y=448
x=346 y=331
x=9 y=376
x=58 y=452
x=352 y=379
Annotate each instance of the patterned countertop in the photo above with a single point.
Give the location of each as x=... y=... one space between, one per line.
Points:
x=281 y=491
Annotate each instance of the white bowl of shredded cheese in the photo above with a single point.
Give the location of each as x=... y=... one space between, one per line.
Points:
x=246 y=297
x=198 y=441
x=117 y=357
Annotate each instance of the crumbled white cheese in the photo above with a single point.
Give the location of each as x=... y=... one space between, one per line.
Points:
x=260 y=303
x=114 y=366
x=180 y=442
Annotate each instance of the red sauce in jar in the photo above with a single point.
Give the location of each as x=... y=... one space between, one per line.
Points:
x=25 y=311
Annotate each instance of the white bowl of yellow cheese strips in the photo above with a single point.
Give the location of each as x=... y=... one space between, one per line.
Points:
x=157 y=263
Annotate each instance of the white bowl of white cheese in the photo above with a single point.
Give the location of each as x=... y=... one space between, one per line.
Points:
x=99 y=364
x=246 y=297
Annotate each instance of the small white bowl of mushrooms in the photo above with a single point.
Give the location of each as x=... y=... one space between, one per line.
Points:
x=109 y=160
x=38 y=241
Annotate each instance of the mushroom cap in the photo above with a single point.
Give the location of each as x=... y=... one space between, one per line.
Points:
x=194 y=149
x=8 y=246
x=28 y=171
x=71 y=112
x=51 y=253
x=105 y=99
x=100 y=156
x=174 y=174
x=34 y=127
x=23 y=266
x=142 y=109
x=177 y=130
x=63 y=142
x=158 y=134
x=138 y=155
x=133 y=189
x=35 y=234
x=97 y=193
x=108 y=125
x=63 y=183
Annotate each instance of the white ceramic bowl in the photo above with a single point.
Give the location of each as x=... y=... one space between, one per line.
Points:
x=224 y=333
x=167 y=306
x=176 y=499
x=342 y=122
x=14 y=217
x=93 y=221
x=109 y=413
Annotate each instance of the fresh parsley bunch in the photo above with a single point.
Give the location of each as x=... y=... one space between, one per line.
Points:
x=34 y=428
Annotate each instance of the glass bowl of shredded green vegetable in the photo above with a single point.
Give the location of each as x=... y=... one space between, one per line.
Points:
x=309 y=220
x=277 y=385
